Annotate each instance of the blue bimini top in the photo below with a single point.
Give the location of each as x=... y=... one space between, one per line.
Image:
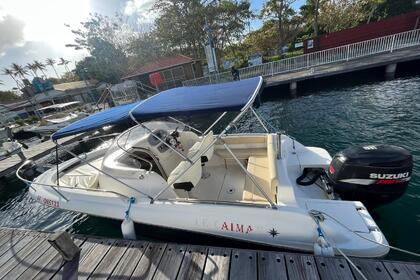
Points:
x=232 y=96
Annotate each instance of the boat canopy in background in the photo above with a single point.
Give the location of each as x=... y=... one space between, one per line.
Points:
x=115 y=115
x=233 y=96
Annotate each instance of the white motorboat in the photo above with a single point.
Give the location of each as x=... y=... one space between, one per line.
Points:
x=8 y=146
x=57 y=116
x=262 y=188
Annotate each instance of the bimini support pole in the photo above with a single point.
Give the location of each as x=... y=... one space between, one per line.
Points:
x=198 y=157
x=260 y=120
x=56 y=163
x=250 y=176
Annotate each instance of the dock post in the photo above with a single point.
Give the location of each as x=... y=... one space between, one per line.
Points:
x=21 y=155
x=390 y=71
x=293 y=88
x=62 y=242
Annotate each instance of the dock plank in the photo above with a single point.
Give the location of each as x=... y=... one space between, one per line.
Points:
x=271 y=265
x=20 y=256
x=111 y=259
x=54 y=265
x=217 y=263
x=129 y=261
x=192 y=266
x=29 y=261
x=243 y=264
x=16 y=247
x=333 y=267
x=371 y=269
x=41 y=263
x=148 y=263
x=28 y=255
x=301 y=267
x=170 y=263
x=10 y=239
x=90 y=260
x=401 y=271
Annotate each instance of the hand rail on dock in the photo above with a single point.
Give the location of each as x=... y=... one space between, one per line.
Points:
x=343 y=53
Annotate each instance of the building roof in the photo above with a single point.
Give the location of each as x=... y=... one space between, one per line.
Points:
x=75 y=85
x=159 y=65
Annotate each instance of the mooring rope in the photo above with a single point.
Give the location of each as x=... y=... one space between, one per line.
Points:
x=374 y=241
x=318 y=217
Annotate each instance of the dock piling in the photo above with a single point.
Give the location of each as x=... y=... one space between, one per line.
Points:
x=390 y=71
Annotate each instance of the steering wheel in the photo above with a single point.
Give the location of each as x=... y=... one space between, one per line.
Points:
x=172 y=139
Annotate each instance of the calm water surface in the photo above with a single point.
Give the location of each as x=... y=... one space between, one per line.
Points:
x=333 y=118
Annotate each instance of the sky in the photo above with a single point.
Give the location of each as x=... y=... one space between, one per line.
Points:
x=38 y=29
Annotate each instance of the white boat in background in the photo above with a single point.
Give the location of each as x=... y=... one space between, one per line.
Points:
x=57 y=116
x=262 y=188
x=8 y=146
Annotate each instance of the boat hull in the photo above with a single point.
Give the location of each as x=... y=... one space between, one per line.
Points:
x=284 y=228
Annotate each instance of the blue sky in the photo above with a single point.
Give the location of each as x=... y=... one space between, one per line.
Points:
x=36 y=29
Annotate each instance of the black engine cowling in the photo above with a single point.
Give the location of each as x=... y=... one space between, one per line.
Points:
x=372 y=174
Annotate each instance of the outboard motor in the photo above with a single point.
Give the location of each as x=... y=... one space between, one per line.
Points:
x=372 y=174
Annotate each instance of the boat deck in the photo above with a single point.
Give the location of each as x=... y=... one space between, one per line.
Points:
x=26 y=254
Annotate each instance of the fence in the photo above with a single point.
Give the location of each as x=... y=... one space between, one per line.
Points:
x=339 y=54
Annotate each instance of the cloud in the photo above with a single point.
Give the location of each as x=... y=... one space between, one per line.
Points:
x=142 y=9
x=11 y=30
x=30 y=51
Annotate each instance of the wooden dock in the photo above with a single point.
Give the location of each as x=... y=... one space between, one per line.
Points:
x=10 y=164
x=26 y=254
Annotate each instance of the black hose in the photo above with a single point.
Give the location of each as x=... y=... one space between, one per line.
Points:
x=311 y=181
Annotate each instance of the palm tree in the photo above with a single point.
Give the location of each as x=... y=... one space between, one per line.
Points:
x=64 y=63
x=32 y=67
x=19 y=71
x=51 y=62
x=9 y=72
x=40 y=66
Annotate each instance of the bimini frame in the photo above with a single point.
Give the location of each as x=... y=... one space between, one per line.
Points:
x=224 y=132
x=242 y=112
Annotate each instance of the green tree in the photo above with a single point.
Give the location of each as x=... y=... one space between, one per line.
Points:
x=64 y=63
x=108 y=40
x=40 y=66
x=9 y=72
x=51 y=62
x=182 y=24
x=229 y=20
x=283 y=15
x=9 y=96
x=264 y=39
x=33 y=68
x=19 y=71
x=106 y=63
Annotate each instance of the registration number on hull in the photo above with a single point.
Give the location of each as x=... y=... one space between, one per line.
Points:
x=48 y=202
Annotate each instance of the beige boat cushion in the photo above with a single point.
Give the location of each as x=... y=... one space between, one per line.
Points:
x=83 y=176
x=201 y=146
x=188 y=139
x=193 y=174
x=258 y=167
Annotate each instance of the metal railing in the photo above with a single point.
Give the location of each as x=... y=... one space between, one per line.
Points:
x=343 y=53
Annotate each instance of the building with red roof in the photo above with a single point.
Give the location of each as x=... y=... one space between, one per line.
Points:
x=167 y=72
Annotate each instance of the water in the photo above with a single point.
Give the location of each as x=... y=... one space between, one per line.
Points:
x=333 y=118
